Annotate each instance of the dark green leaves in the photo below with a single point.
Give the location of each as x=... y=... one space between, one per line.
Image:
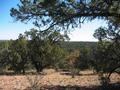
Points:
x=65 y=13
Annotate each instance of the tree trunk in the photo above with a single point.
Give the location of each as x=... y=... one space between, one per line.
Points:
x=113 y=70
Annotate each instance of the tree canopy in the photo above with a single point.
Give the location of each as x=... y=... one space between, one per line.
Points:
x=66 y=13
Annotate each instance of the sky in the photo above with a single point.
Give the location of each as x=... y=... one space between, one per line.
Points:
x=9 y=29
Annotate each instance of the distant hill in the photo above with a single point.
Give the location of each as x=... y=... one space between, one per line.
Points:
x=77 y=45
x=3 y=40
x=3 y=44
x=69 y=45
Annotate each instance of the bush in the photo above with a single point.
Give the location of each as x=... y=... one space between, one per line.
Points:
x=34 y=81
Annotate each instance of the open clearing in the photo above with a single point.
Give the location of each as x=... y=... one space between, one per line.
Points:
x=21 y=82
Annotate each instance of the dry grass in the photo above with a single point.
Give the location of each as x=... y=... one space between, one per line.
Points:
x=21 y=82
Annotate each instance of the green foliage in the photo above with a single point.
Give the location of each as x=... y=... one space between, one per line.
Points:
x=100 y=63
x=18 y=55
x=4 y=55
x=40 y=50
x=44 y=49
x=84 y=59
x=107 y=52
x=58 y=56
x=4 y=58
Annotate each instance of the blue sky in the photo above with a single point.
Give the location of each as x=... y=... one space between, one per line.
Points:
x=10 y=29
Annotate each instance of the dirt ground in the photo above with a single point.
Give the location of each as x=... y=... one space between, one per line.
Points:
x=21 y=82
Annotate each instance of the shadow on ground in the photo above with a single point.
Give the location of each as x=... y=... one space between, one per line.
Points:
x=115 y=86
x=78 y=74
